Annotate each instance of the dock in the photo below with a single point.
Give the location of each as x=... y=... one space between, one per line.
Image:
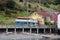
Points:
x=18 y=29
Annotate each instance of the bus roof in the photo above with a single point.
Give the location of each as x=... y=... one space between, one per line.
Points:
x=25 y=20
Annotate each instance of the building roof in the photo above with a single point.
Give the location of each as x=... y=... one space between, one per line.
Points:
x=22 y=17
x=45 y=14
x=53 y=17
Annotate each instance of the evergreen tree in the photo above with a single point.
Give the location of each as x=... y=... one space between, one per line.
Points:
x=57 y=1
x=10 y=4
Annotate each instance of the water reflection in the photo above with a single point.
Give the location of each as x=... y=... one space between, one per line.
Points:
x=31 y=39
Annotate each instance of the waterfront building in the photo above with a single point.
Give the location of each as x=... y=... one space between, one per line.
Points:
x=40 y=16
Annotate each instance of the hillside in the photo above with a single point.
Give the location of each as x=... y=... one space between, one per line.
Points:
x=10 y=9
x=39 y=7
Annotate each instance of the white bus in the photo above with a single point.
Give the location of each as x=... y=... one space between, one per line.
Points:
x=26 y=21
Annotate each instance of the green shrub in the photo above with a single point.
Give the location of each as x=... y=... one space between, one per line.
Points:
x=47 y=5
x=58 y=6
x=41 y=9
x=29 y=5
x=7 y=11
x=47 y=23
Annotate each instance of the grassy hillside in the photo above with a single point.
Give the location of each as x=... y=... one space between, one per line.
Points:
x=12 y=9
x=4 y=19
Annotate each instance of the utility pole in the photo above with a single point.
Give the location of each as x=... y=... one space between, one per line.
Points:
x=27 y=11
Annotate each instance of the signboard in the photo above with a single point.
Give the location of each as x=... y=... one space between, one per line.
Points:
x=58 y=22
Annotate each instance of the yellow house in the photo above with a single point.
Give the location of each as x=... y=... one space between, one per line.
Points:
x=39 y=18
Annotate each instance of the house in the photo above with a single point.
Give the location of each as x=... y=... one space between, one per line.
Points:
x=40 y=16
x=54 y=16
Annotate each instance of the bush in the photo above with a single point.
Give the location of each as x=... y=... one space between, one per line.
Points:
x=7 y=11
x=58 y=6
x=47 y=5
x=29 y=5
x=41 y=9
x=47 y=23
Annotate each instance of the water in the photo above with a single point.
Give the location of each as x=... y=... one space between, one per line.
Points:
x=22 y=36
x=31 y=39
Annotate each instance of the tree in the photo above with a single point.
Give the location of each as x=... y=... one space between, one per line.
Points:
x=10 y=4
x=51 y=1
x=58 y=7
x=57 y=1
x=48 y=1
x=47 y=5
x=2 y=4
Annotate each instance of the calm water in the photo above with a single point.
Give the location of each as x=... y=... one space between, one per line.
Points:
x=31 y=39
x=23 y=37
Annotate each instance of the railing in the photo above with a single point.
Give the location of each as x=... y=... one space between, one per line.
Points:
x=14 y=26
x=38 y=28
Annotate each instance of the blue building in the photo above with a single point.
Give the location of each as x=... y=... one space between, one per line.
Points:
x=26 y=22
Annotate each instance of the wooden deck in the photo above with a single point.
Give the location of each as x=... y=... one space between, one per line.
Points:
x=30 y=29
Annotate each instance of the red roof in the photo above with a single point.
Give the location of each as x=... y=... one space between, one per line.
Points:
x=23 y=17
x=53 y=17
x=43 y=13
